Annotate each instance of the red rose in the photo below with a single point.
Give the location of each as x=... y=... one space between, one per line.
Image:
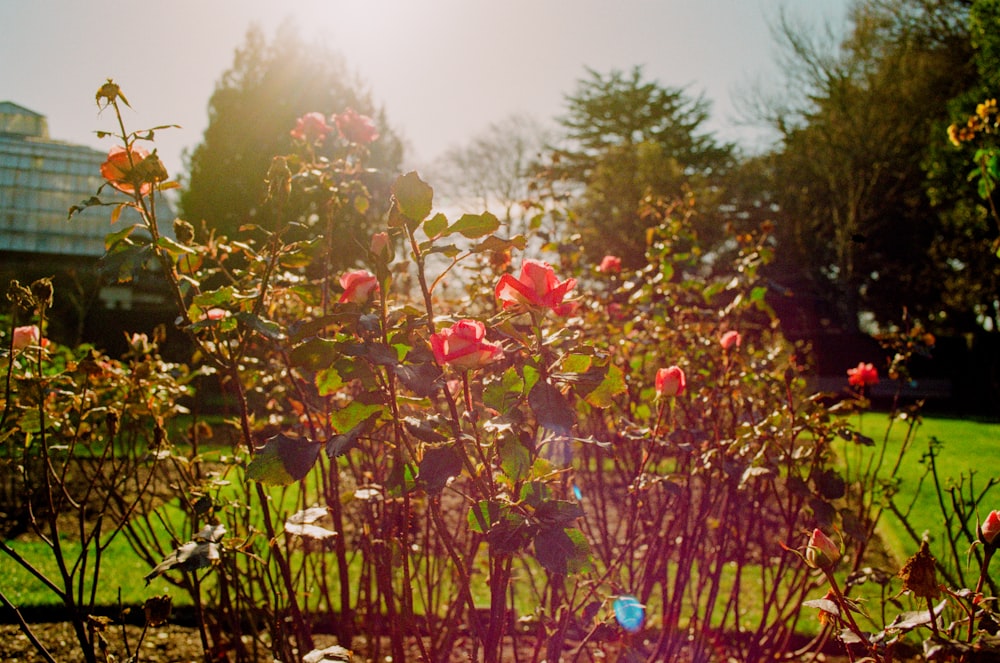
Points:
x=670 y=381
x=311 y=127
x=991 y=527
x=864 y=375
x=463 y=345
x=355 y=128
x=123 y=174
x=537 y=288
x=610 y=265
x=729 y=339
x=358 y=286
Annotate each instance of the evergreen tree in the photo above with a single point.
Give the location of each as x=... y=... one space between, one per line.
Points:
x=254 y=106
x=627 y=139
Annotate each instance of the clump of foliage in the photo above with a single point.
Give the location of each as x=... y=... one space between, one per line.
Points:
x=480 y=452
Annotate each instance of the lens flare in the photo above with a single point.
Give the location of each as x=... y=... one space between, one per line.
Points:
x=629 y=613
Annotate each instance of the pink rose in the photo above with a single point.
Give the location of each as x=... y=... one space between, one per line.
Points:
x=358 y=286
x=216 y=314
x=730 y=339
x=537 y=288
x=463 y=345
x=311 y=127
x=355 y=128
x=991 y=527
x=123 y=174
x=821 y=552
x=27 y=336
x=864 y=375
x=610 y=265
x=670 y=381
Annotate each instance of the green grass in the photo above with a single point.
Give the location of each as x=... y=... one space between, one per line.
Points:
x=120 y=568
x=967 y=448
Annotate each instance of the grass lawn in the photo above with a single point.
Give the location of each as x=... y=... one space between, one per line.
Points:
x=120 y=568
x=967 y=454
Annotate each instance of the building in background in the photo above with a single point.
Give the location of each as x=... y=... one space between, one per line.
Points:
x=40 y=179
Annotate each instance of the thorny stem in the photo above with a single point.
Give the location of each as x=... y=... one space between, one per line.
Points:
x=983 y=570
x=845 y=609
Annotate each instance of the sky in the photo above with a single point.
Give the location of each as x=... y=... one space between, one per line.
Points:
x=443 y=70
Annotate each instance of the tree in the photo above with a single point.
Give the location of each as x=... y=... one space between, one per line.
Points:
x=254 y=106
x=626 y=140
x=966 y=248
x=855 y=220
x=496 y=167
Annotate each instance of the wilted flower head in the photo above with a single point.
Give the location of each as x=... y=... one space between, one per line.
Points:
x=821 y=551
x=358 y=286
x=864 y=375
x=311 y=128
x=536 y=288
x=464 y=346
x=670 y=381
x=125 y=169
x=356 y=128
x=919 y=575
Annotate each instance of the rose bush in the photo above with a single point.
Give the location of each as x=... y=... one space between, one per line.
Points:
x=565 y=482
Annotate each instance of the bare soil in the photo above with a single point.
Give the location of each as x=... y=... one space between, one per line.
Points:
x=174 y=643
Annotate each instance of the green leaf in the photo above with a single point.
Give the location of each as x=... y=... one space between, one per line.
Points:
x=328 y=381
x=113 y=239
x=423 y=430
x=577 y=363
x=381 y=354
x=434 y=226
x=515 y=459
x=509 y=533
x=554 y=549
x=315 y=354
x=506 y=393
x=173 y=247
x=474 y=226
x=438 y=465
x=282 y=460
x=213 y=298
x=349 y=416
x=580 y=558
x=558 y=512
x=449 y=250
x=612 y=385
x=338 y=445
x=494 y=243
x=414 y=197
x=479 y=517
x=422 y=379
x=550 y=408
x=266 y=328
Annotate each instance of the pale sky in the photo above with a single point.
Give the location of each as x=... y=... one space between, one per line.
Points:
x=442 y=69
